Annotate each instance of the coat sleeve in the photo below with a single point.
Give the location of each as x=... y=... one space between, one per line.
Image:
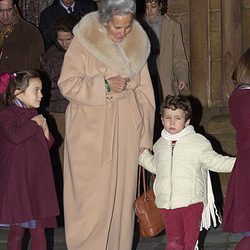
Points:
x=180 y=66
x=145 y=96
x=45 y=65
x=214 y=161
x=14 y=133
x=146 y=160
x=35 y=48
x=75 y=84
x=45 y=28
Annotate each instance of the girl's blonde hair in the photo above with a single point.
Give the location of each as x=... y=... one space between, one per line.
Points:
x=241 y=74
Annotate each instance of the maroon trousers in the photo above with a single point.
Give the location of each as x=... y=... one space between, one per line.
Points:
x=244 y=243
x=182 y=226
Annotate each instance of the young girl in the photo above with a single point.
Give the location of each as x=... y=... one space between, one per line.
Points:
x=181 y=162
x=28 y=197
x=237 y=204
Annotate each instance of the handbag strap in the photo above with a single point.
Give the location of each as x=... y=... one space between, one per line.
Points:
x=141 y=169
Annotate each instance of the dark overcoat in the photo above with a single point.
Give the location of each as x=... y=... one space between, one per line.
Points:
x=51 y=63
x=237 y=204
x=22 y=49
x=27 y=189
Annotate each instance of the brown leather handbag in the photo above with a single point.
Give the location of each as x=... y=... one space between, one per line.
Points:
x=149 y=216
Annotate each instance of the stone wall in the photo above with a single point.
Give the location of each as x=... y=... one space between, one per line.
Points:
x=215 y=32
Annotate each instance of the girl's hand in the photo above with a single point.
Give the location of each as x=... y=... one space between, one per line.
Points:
x=117 y=83
x=41 y=122
x=39 y=119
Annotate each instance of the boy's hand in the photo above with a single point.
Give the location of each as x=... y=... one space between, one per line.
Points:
x=141 y=150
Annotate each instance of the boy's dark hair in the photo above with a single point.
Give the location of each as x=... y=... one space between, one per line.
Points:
x=19 y=81
x=177 y=102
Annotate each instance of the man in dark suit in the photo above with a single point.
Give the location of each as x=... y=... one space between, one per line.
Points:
x=59 y=8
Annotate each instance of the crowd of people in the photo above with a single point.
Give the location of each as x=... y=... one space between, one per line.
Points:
x=117 y=81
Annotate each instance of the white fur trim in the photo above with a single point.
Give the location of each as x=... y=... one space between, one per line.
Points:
x=126 y=58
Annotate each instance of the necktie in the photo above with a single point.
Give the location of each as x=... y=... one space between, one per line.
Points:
x=70 y=10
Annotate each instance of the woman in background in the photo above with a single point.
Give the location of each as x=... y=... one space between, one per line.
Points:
x=51 y=63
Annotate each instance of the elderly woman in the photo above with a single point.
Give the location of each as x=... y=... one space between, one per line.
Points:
x=108 y=121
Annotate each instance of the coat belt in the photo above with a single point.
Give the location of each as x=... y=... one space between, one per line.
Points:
x=111 y=118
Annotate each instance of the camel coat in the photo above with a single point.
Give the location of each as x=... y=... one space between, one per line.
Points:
x=172 y=64
x=104 y=132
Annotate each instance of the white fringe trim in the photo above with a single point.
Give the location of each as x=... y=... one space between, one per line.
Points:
x=210 y=213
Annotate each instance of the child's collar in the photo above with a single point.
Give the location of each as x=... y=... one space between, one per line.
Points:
x=19 y=103
x=174 y=137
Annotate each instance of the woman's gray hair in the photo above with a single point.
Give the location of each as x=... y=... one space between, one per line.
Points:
x=110 y=8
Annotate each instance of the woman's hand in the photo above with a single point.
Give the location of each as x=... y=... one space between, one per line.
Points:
x=182 y=85
x=117 y=83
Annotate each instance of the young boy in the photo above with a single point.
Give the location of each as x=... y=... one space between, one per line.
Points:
x=181 y=162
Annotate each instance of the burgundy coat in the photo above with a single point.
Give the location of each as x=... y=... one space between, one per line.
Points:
x=27 y=189
x=237 y=204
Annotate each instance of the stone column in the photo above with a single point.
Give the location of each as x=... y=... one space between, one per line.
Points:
x=231 y=43
x=245 y=24
x=199 y=60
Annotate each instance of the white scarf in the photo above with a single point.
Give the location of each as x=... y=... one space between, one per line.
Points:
x=174 y=137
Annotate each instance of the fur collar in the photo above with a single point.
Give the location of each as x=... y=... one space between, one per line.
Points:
x=126 y=58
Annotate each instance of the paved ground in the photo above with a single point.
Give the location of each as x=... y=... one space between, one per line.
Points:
x=215 y=240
